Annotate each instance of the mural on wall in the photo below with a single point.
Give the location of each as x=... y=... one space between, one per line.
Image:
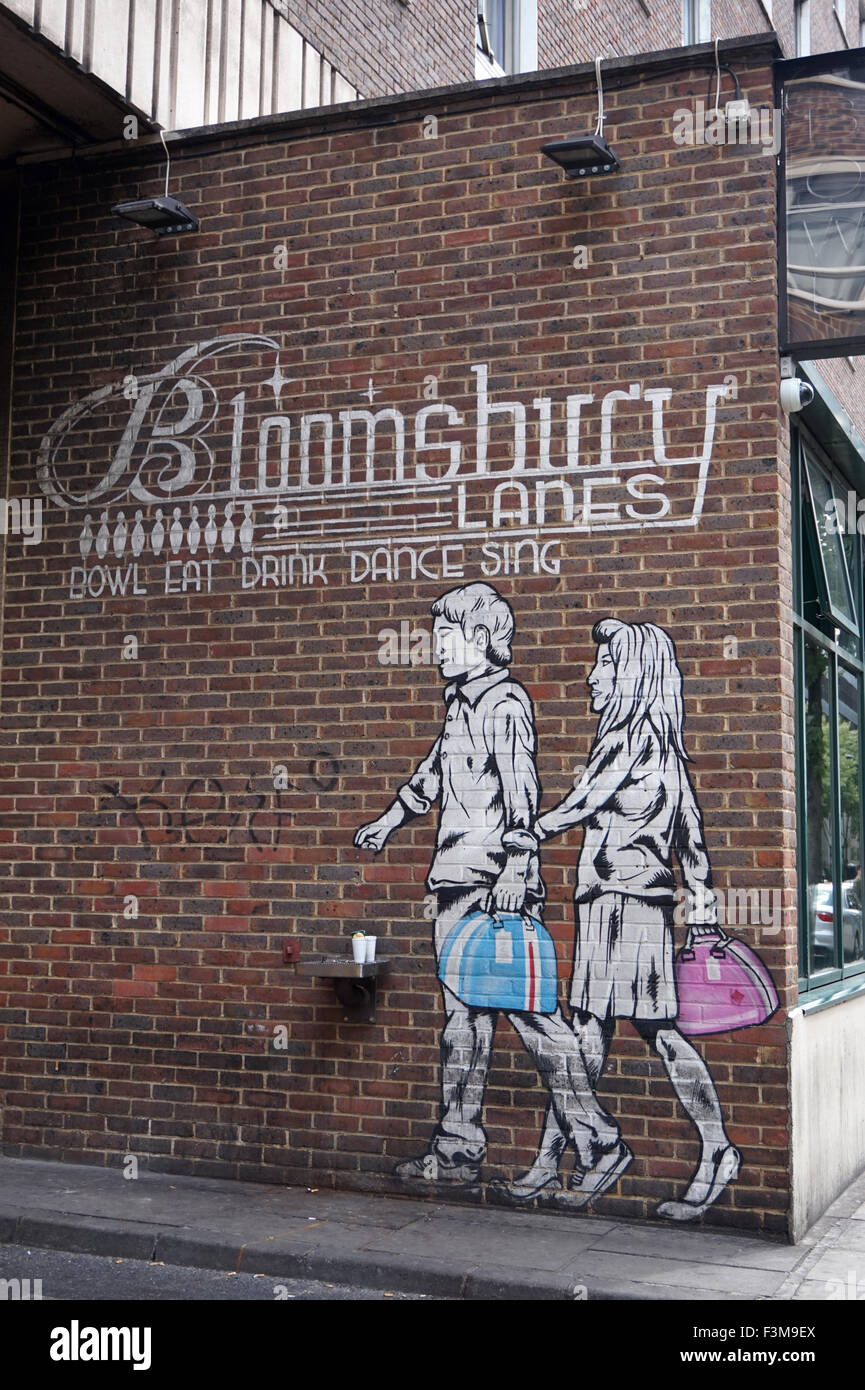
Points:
x=207 y=478
x=638 y=812
x=481 y=770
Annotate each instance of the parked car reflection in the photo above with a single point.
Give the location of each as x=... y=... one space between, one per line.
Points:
x=821 y=921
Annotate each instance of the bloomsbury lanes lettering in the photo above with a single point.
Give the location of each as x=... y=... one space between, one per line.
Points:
x=205 y=468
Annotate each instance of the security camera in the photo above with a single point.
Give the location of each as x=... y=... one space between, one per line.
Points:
x=795 y=394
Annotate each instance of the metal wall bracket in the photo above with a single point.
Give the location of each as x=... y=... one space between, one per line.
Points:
x=354 y=984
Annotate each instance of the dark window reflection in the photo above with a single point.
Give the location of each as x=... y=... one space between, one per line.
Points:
x=818 y=806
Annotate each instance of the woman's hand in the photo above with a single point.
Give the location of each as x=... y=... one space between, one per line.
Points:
x=701 y=913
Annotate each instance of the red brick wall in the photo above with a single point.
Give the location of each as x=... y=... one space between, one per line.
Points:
x=370 y=255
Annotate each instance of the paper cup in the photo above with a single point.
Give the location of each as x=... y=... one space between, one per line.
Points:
x=370 y=947
x=358 y=947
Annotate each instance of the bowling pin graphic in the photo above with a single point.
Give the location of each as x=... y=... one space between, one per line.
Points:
x=157 y=535
x=211 y=533
x=120 y=535
x=103 y=537
x=193 y=535
x=137 y=536
x=228 y=529
x=175 y=535
x=247 y=529
x=85 y=540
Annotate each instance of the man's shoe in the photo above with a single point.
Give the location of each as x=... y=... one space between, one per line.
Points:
x=594 y=1181
x=534 y=1183
x=432 y=1167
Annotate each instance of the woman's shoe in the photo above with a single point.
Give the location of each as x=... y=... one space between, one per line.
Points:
x=726 y=1164
x=432 y=1167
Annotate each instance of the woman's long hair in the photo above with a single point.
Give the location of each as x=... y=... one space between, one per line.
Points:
x=647 y=689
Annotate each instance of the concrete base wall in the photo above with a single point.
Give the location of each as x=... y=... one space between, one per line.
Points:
x=827 y=1067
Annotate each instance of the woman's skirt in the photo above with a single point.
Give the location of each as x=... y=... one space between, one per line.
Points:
x=623 y=958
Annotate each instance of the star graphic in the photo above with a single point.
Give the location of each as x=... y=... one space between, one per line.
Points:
x=371 y=391
x=278 y=381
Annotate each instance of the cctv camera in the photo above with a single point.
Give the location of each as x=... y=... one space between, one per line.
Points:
x=795 y=394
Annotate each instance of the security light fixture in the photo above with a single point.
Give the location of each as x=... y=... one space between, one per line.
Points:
x=585 y=154
x=167 y=216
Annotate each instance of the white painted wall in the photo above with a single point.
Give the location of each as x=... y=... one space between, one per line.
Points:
x=827 y=1064
x=216 y=60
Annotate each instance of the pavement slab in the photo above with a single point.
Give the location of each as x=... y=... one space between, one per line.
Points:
x=609 y=1267
x=737 y=1251
x=444 y=1236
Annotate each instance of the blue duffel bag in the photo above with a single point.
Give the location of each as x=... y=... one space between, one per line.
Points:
x=505 y=961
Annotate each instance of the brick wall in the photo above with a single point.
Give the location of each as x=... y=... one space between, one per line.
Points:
x=395 y=47
x=388 y=46
x=571 y=32
x=210 y=775
x=828 y=33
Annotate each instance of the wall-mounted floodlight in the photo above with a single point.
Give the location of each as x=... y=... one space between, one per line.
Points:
x=585 y=154
x=588 y=154
x=167 y=216
x=164 y=214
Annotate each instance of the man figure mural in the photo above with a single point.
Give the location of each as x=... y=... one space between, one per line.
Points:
x=481 y=770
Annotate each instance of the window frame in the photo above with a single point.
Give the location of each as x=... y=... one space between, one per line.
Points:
x=814 y=978
x=802 y=28
x=839 y=618
x=521 y=41
x=696 y=22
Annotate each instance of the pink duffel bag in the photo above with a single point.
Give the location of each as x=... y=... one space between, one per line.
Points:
x=722 y=985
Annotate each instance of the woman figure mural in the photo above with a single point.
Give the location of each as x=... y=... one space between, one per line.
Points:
x=637 y=808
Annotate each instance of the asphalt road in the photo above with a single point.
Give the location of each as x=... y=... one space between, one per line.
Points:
x=97 y=1278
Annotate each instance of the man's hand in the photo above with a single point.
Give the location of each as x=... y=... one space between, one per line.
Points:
x=374 y=836
x=509 y=890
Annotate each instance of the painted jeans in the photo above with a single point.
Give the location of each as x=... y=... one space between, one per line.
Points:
x=466 y=1045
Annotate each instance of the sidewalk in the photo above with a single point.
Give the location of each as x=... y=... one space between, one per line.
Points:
x=448 y=1251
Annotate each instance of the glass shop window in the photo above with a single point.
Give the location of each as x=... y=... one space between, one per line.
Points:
x=828 y=642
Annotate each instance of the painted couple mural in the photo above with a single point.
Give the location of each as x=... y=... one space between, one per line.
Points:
x=637 y=809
